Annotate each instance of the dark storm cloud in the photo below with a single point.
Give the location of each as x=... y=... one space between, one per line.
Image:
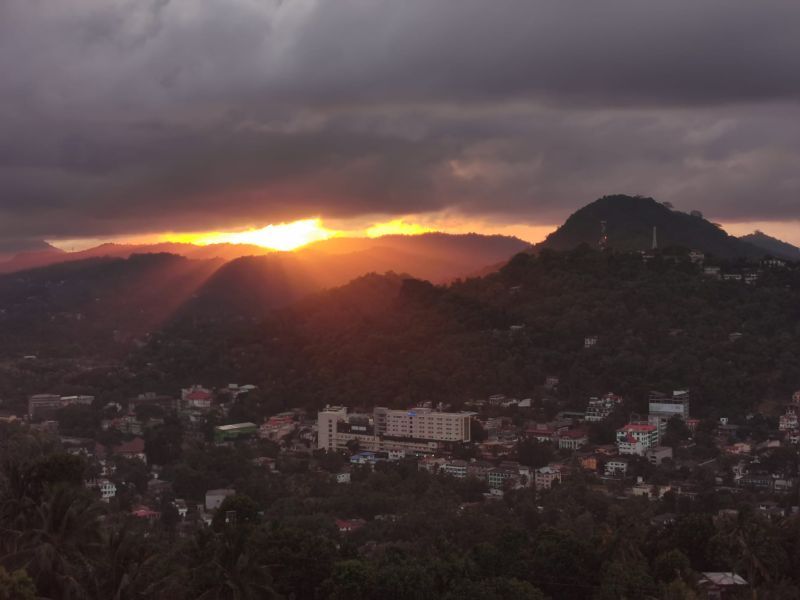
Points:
x=132 y=116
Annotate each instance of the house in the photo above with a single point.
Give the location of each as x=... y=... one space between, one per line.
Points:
x=545 y=477
x=181 y=507
x=720 y=586
x=572 y=439
x=343 y=477
x=214 y=498
x=456 y=468
x=636 y=438
x=349 y=525
x=145 y=512
x=590 y=341
x=196 y=397
x=133 y=449
x=658 y=454
x=616 y=466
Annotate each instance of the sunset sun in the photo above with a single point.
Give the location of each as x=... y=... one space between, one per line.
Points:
x=282 y=236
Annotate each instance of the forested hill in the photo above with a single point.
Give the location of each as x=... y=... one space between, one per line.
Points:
x=774 y=246
x=629 y=225
x=384 y=339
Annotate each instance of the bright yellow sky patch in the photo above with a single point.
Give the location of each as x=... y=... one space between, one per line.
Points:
x=283 y=236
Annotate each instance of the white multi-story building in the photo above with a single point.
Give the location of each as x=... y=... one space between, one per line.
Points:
x=423 y=424
x=416 y=430
x=599 y=409
x=635 y=438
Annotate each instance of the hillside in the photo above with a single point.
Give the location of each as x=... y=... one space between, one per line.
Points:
x=629 y=225
x=445 y=256
x=388 y=339
x=252 y=286
x=771 y=245
x=86 y=307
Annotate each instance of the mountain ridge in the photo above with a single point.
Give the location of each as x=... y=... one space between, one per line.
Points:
x=629 y=223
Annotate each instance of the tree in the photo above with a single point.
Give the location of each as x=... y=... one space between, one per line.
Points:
x=534 y=454
x=351 y=580
x=676 y=432
x=16 y=585
x=244 y=509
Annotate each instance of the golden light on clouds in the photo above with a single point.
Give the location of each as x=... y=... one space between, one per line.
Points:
x=395 y=227
x=282 y=236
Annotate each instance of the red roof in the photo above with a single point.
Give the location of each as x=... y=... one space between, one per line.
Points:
x=638 y=427
x=198 y=395
x=135 y=446
x=574 y=433
x=144 y=512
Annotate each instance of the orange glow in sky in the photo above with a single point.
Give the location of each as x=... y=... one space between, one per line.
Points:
x=396 y=226
x=283 y=236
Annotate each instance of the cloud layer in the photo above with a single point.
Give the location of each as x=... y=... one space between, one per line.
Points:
x=130 y=116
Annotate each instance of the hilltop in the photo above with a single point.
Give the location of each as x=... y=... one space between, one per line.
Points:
x=773 y=246
x=629 y=225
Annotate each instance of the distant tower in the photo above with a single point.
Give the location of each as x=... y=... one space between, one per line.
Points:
x=655 y=239
x=603 y=243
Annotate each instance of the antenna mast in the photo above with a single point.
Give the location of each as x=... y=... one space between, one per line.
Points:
x=603 y=243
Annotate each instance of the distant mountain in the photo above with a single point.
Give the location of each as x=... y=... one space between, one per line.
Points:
x=52 y=255
x=103 y=296
x=96 y=302
x=249 y=286
x=629 y=226
x=10 y=248
x=453 y=255
x=771 y=245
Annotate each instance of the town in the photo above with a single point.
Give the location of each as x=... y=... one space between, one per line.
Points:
x=499 y=444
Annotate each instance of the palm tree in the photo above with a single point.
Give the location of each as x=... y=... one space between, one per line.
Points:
x=57 y=543
x=230 y=572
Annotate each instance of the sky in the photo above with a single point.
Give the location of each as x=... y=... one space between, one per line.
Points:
x=128 y=119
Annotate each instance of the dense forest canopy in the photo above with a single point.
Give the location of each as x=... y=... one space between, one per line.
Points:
x=660 y=324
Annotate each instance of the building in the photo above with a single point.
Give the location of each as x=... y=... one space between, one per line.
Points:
x=599 y=409
x=658 y=454
x=456 y=468
x=423 y=424
x=616 y=466
x=662 y=407
x=788 y=421
x=636 y=438
x=419 y=430
x=545 y=477
x=235 y=431
x=590 y=341
x=44 y=406
x=215 y=498
x=496 y=478
x=196 y=397
x=720 y=586
x=572 y=439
